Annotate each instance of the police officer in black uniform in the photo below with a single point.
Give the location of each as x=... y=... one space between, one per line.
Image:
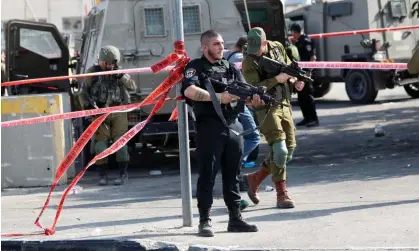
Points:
x=217 y=144
x=306 y=51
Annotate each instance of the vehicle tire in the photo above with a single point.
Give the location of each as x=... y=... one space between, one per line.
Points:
x=412 y=90
x=322 y=89
x=360 y=87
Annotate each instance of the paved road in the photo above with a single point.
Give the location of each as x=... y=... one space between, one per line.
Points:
x=351 y=190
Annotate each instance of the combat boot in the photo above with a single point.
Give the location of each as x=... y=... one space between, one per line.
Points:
x=205 y=227
x=123 y=174
x=282 y=198
x=103 y=181
x=252 y=182
x=236 y=222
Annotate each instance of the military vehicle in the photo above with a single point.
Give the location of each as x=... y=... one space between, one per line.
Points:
x=362 y=86
x=143 y=32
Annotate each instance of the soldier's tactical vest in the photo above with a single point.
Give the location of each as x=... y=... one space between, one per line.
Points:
x=230 y=111
x=106 y=91
x=281 y=92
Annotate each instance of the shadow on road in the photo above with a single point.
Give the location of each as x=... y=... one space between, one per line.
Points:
x=308 y=214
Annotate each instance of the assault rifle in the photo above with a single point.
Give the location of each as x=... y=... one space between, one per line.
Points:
x=272 y=68
x=244 y=90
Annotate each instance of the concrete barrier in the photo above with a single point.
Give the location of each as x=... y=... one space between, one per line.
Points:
x=30 y=154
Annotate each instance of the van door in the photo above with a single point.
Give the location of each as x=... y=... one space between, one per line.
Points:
x=36 y=50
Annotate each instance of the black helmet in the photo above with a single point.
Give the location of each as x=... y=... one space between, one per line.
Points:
x=295 y=27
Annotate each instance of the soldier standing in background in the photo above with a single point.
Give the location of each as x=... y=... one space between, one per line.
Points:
x=305 y=97
x=107 y=91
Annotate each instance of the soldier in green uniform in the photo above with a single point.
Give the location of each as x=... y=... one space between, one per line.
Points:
x=107 y=91
x=278 y=127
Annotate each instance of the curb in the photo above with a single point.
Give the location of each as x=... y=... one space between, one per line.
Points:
x=147 y=245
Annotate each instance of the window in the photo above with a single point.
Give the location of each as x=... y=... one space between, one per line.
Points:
x=191 y=20
x=72 y=24
x=154 y=22
x=255 y=16
x=39 y=42
x=398 y=8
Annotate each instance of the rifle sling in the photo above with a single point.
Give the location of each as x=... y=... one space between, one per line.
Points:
x=216 y=104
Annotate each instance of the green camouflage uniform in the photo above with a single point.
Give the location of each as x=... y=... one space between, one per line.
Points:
x=278 y=126
x=107 y=91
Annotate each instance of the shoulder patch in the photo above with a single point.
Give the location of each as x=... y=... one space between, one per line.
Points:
x=189 y=73
x=308 y=47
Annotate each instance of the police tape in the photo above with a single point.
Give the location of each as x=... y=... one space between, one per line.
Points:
x=147 y=101
x=85 y=75
x=325 y=65
x=111 y=150
x=359 y=32
x=353 y=65
x=79 y=114
x=349 y=65
x=161 y=91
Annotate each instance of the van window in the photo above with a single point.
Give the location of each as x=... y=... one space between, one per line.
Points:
x=191 y=20
x=39 y=42
x=154 y=22
x=259 y=16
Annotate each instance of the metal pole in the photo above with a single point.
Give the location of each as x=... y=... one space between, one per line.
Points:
x=247 y=14
x=183 y=131
x=31 y=10
x=82 y=14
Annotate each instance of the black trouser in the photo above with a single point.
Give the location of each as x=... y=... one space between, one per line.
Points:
x=217 y=147
x=306 y=102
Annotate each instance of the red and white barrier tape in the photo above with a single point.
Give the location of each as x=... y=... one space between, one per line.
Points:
x=161 y=91
x=148 y=101
x=325 y=65
x=78 y=114
x=353 y=65
x=85 y=75
x=358 y=32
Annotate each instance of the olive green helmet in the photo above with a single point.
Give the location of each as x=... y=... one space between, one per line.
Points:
x=110 y=54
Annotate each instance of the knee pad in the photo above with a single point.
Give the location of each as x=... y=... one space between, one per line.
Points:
x=280 y=153
x=122 y=154
x=100 y=146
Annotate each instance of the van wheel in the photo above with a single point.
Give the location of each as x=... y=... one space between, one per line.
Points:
x=322 y=89
x=360 y=87
x=412 y=90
